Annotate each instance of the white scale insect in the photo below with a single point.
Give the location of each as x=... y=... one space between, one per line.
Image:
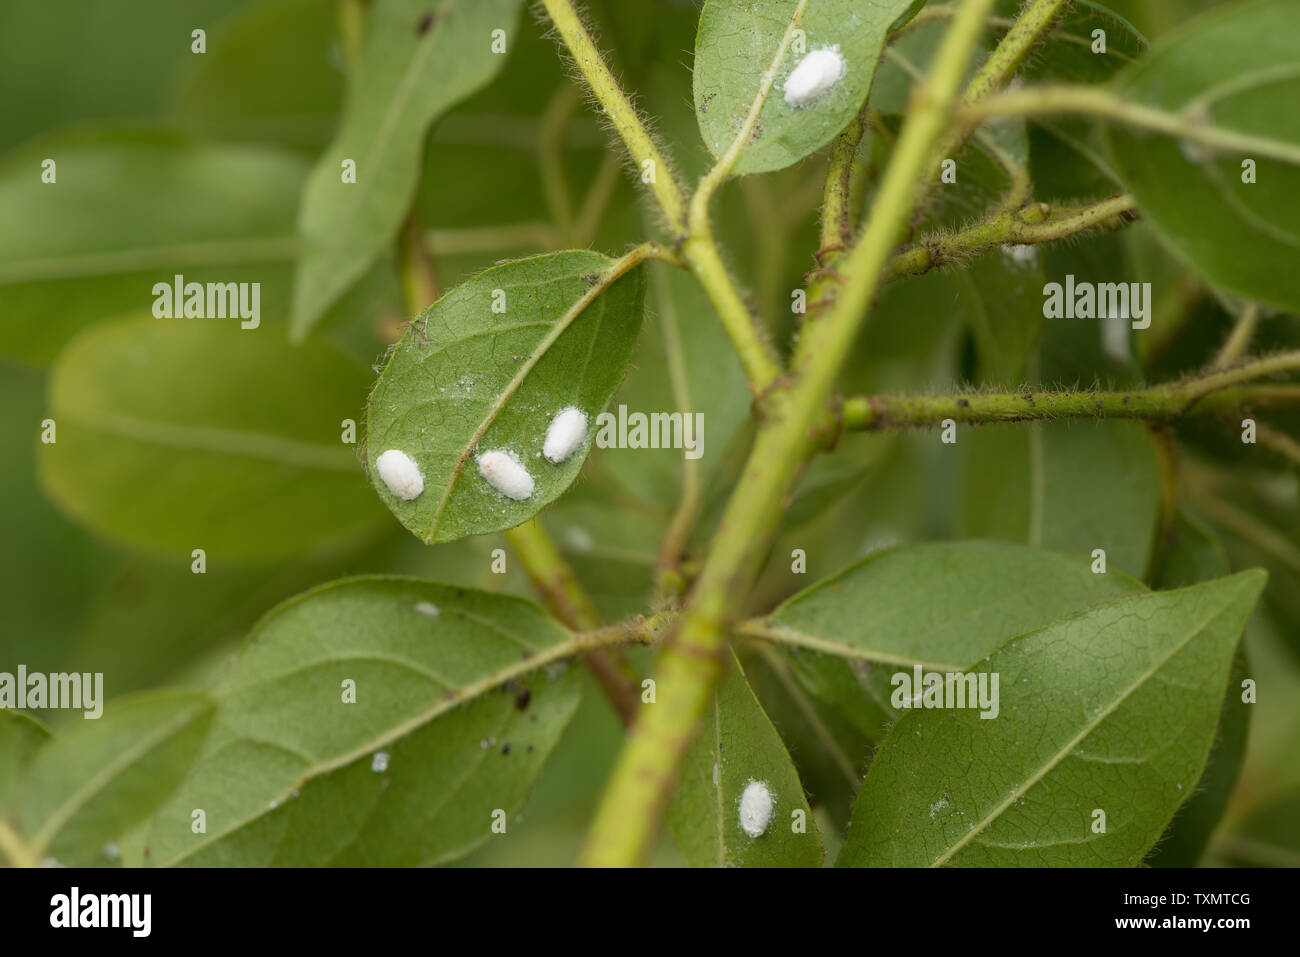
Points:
x=505 y=473
x=568 y=431
x=755 y=808
x=400 y=474
x=813 y=76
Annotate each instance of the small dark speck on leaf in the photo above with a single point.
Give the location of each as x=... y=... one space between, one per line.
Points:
x=422 y=25
x=505 y=749
x=591 y=278
x=530 y=749
x=963 y=403
x=522 y=699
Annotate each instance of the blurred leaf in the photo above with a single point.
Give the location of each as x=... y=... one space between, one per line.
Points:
x=1067 y=486
x=1001 y=295
x=21 y=736
x=118 y=59
x=131 y=208
x=1113 y=709
x=101 y=777
x=1068 y=154
x=736 y=46
x=466 y=379
x=50 y=569
x=406 y=77
x=1238 y=69
x=737 y=747
x=271 y=75
x=176 y=435
x=289 y=775
x=1270 y=837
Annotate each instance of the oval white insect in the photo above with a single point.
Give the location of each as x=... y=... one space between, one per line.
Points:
x=505 y=473
x=400 y=474
x=755 y=808
x=813 y=76
x=568 y=431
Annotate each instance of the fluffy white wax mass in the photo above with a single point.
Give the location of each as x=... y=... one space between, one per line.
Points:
x=568 y=431
x=755 y=808
x=400 y=474
x=813 y=76
x=505 y=473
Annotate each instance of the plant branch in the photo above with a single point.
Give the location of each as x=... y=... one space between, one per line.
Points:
x=837 y=198
x=15 y=849
x=692 y=664
x=1208 y=395
x=1190 y=125
x=1238 y=340
x=1026 y=225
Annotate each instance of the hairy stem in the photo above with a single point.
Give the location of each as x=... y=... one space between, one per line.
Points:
x=691 y=665
x=1208 y=395
x=1026 y=225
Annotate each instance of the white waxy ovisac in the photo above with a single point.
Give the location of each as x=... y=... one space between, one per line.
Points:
x=813 y=76
x=505 y=473
x=755 y=808
x=400 y=474
x=568 y=430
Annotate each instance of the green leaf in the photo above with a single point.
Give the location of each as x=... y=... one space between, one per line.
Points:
x=943 y=605
x=1113 y=709
x=737 y=747
x=176 y=435
x=738 y=43
x=21 y=736
x=405 y=78
x=1067 y=486
x=466 y=379
x=439 y=674
x=69 y=256
x=271 y=74
x=101 y=777
x=1238 y=69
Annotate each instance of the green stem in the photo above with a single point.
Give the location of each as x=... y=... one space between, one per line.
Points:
x=837 y=199
x=1102 y=103
x=1210 y=395
x=1027 y=225
x=550 y=156
x=691 y=665
x=1239 y=340
x=15 y=849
